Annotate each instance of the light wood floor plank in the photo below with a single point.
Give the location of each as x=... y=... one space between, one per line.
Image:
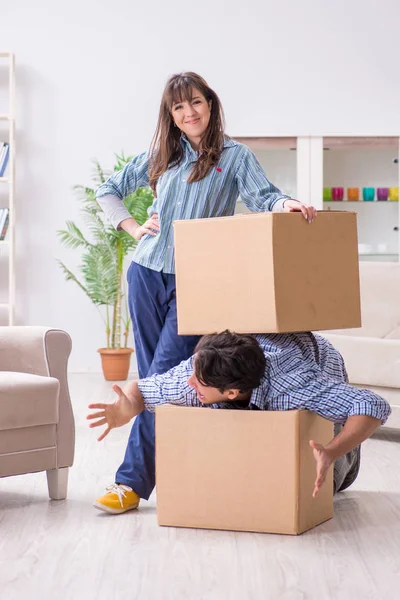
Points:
x=68 y=550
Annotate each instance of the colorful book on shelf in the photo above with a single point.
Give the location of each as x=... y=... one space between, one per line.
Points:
x=4 y=231
x=4 y=155
x=2 y=150
x=4 y=220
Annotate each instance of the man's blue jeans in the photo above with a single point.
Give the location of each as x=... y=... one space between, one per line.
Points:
x=152 y=305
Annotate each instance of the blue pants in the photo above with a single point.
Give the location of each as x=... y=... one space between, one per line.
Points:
x=152 y=306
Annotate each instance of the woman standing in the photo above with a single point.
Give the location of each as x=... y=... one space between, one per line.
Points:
x=195 y=171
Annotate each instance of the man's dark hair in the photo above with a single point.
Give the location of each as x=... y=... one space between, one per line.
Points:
x=229 y=361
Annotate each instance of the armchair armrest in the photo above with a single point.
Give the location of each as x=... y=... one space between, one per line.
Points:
x=43 y=351
x=369 y=361
x=23 y=349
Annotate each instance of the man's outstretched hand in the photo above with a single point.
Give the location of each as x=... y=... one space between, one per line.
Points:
x=113 y=415
x=323 y=462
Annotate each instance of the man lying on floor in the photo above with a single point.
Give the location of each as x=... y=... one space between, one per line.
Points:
x=257 y=372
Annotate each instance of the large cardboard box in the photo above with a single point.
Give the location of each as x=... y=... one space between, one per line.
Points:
x=266 y=273
x=240 y=469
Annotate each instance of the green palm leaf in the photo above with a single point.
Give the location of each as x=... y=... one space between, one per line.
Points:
x=72 y=237
x=104 y=250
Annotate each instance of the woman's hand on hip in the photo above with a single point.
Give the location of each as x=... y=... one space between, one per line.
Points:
x=309 y=212
x=150 y=227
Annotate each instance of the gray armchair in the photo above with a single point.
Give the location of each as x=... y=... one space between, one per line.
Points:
x=37 y=431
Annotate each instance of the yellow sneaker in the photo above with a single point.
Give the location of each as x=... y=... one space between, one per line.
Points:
x=119 y=499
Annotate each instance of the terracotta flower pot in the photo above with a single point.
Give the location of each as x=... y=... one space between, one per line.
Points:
x=115 y=363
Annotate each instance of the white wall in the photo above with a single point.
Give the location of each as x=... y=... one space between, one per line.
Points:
x=90 y=75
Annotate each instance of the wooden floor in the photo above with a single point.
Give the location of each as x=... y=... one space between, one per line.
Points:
x=68 y=550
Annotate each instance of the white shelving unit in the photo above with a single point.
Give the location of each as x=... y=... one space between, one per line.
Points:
x=301 y=166
x=7 y=121
x=362 y=161
x=286 y=161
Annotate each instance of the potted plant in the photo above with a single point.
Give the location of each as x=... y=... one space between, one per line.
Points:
x=102 y=267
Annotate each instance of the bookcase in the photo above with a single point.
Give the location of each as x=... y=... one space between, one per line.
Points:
x=303 y=167
x=7 y=188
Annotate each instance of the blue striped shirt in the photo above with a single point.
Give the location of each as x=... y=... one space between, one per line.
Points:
x=303 y=371
x=238 y=172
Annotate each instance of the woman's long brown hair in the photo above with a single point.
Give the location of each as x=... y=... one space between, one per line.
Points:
x=166 y=150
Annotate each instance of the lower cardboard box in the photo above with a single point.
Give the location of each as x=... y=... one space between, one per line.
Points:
x=240 y=470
